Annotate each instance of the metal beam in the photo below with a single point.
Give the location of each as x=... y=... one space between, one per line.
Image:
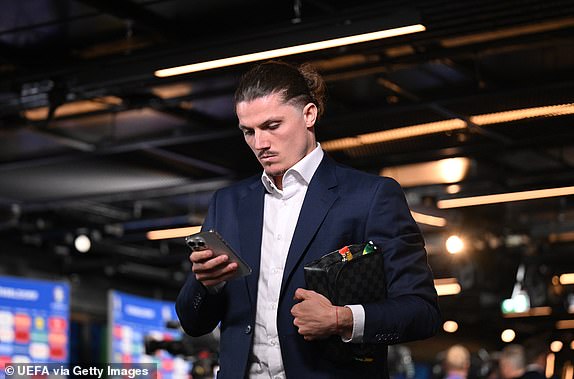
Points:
x=139 y=15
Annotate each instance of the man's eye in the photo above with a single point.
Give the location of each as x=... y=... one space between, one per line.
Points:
x=247 y=132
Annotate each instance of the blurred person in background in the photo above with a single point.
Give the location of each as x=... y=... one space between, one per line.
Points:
x=512 y=362
x=536 y=350
x=456 y=362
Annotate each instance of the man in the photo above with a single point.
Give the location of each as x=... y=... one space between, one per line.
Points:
x=512 y=362
x=303 y=206
x=535 y=351
x=457 y=362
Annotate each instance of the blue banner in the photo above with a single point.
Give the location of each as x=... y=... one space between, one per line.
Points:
x=133 y=319
x=34 y=321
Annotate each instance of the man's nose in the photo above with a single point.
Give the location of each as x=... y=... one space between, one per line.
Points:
x=261 y=140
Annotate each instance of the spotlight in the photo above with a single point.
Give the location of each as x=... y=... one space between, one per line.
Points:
x=556 y=346
x=82 y=243
x=450 y=326
x=508 y=335
x=454 y=244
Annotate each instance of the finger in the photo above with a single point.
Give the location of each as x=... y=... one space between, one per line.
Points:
x=220 y=273
x=219 y=279
x=209 y=265
x=199 y=256
x=295 y=311
x=301 y=294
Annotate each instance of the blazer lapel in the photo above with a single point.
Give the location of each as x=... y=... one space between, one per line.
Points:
x=320 y=196
x=250 y=232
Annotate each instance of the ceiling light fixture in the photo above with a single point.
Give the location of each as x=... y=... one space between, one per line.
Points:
x=442 y=171
x=508 y=32
x=74 y=108
x=556 y=346
x=394 y=134
x=561 y=237
x=82 y=243
x=508 y=335
x=450 y=326
x=446 y=126
x=567 y=279
x=447 y=286
x=454 y=244
x=291 y=50
x=172 y=233
x=504 y=197
x=550 y=362
x=520 y=114
x=533 y=312
x=422 y=218
x=565 y=324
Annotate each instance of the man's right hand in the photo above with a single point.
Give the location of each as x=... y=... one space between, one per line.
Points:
x=209 y=270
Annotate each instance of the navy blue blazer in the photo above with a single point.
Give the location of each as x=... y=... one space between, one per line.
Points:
x=342 y=206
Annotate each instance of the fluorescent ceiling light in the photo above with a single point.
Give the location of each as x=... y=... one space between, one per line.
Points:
x=550 y=362
x=422 y=218
x=505 y=197
x=172 y=90
x=447 y=286
x=297 y=49
x=74 y=108
x=520 y=114
x=561 y=237
x=508 y=32
x=394 y=134
x=565 y=324
x=446 y=126
x=443 y=171
x=172 y=233
x=532 y=312
x=567 y=279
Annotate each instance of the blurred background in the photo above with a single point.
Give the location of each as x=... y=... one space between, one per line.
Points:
x=106 y=161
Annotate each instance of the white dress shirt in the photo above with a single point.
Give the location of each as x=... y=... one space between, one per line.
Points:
x=281 y=212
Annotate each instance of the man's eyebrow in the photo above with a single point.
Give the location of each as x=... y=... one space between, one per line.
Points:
x=264 y=124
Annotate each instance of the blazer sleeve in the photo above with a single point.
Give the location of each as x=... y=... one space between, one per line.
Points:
x=199 y=311
x=410 y=311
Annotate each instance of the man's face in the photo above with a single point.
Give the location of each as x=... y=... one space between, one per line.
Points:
x=280 y=134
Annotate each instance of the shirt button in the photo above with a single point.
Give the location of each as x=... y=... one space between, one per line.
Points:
x=273 y=342
x=279 y=237
x=273 y=306
x=248 y=329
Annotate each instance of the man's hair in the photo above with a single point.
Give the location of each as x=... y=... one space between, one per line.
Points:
x=457 y=358
x=296 y=84
x=514 y=356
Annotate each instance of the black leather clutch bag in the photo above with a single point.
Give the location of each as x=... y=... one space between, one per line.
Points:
x=353 y=274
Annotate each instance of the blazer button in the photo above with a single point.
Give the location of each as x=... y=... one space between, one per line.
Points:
x=248 y=329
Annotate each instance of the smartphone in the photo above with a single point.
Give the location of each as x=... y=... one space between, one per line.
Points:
x=212 y=240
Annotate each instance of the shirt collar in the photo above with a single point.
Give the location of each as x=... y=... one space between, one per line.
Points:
x=303 y=170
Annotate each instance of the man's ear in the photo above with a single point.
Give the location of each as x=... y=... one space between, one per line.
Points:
x=310 y=114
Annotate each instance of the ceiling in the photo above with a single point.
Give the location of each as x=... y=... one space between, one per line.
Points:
x=91 y=142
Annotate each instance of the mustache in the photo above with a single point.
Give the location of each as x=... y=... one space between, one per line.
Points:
x=266 y=154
